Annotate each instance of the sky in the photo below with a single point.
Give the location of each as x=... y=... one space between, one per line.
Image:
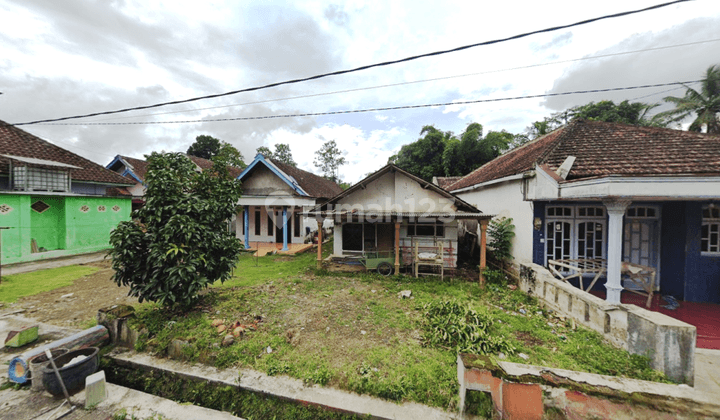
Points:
x=74 y=57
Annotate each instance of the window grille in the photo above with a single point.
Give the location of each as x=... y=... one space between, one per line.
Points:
x=710 y=232
x=28 y=178
x=39 y=206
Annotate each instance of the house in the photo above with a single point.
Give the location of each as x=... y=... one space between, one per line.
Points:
x=391 y=211
x=613 y=192
x=53 y=202
x=274 y=197
x=134 y=170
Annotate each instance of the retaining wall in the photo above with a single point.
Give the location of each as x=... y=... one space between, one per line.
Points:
x=669 y=343
x=532 y=393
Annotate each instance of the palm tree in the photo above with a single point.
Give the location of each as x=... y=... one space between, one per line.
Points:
x=705 y=104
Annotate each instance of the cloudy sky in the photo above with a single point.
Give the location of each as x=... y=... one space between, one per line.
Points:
x=72 y=57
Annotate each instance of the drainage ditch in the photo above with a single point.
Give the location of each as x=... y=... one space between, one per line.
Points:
x=216 y=395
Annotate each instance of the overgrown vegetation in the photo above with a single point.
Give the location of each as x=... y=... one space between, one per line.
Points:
x=16 y=286
x=353 y=332
x=500 y=233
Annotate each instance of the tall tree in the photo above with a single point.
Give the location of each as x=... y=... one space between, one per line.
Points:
x=329 y=159
x=282 y=153
x=207 y=147
x=473 y=150
x=204 y=147
x=705 y=104
x=423 y=157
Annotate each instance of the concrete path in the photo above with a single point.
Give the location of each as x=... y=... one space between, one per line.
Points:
x=52 y=263
x=707 y=371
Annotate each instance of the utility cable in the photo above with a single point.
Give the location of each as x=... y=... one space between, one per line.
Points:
x=417 y=81
x=366 y=67
x=391 y=108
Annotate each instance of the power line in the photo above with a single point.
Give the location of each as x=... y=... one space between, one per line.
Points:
x=366 y=67
x=391 y=108
x=421 y=81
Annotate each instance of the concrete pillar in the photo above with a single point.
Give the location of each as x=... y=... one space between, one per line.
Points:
x=397 y=247
x=483 y=246
x=246 y=229
x=616 y=211
x=285 y=230
x=320 y=239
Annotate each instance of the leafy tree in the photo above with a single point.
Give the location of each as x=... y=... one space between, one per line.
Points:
x=329 y=159
x=179 y=243
x=228 y=153
x=423 y=157
x=204 y=147
x=500 y=232
x=207 y=147
x=705 y=104
x=282 y=153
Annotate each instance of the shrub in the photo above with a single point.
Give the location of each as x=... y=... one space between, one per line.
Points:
x=501 y=232
x=178 y=243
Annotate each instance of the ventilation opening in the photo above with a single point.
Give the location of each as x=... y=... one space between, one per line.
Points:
x=40 y=206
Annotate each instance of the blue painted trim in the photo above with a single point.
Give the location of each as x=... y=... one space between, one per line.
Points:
x=117 y=159
x=260 y=158
x=132 y=174
x=246 y=226
x=285 y=230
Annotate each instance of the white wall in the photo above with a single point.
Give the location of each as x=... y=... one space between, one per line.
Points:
x=506 y=200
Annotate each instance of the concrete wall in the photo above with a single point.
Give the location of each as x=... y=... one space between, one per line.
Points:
x=72 y=225
x=669 y=343
x=529 y=392
x=506 y=200
x=264 y=237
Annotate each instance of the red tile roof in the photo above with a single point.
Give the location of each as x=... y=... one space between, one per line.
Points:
x=16 y=142
x=139 y=166
x=315 y=186
x=602 y=149
x=446 y=181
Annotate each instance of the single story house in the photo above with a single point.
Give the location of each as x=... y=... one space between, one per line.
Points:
x=274 y=197
x=392 y=210
x=53 y=202
x=613 y=192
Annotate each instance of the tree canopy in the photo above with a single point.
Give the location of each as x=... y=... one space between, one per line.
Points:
x=282 y=153
x=704 y=104
x=207 y=147
x=329 y=159
x=178 y=243
x=440 y=153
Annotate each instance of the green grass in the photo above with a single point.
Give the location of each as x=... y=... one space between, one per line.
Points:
x=351 y=331
x=16 y=286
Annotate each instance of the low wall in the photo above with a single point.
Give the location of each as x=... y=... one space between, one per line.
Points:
x=532 y=393
x=669 y=343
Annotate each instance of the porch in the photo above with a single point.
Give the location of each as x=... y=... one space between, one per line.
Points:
x=260 y=249
x=704 y=316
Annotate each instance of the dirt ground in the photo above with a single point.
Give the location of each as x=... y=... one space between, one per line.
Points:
x=86 y=295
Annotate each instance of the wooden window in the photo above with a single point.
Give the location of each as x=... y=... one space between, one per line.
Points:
x=426 y=229
x=710 y=232
x=559 y=211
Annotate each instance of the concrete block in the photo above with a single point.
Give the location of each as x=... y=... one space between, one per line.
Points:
x=670 y=343
x=95 y=389
x=522 y=401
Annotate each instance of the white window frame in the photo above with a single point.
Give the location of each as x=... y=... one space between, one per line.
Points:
x=712 y=222
x=572 y=216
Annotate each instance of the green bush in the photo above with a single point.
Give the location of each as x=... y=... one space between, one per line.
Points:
x=451 y=325
x=178 y=243
x=501 y=232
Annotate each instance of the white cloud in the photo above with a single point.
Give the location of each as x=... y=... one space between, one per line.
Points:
x=364 y=152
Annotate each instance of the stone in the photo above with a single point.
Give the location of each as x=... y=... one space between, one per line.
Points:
x=363 y=332
x=269 y=350
x=404 y=294
x=522 y=311
x=501 y=355
x=95 y=389
x=228 y=340
x=221 y=329
x=523 y=356
x=217 y=322
x=238 y=331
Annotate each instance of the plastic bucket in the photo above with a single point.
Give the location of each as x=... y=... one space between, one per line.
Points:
x=37 y=363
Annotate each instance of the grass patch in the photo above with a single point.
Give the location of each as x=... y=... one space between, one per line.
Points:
x=16 y=286
x=353 y=332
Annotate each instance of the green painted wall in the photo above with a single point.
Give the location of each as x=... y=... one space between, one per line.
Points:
x=72 y=225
